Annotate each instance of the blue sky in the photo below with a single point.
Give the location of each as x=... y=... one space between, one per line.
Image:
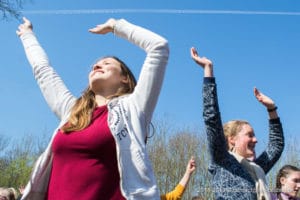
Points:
x=251 y=42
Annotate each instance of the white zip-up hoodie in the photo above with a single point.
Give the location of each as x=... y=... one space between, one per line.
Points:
x=128 y=116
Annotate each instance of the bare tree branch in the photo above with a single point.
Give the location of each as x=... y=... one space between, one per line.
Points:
x=11 y=8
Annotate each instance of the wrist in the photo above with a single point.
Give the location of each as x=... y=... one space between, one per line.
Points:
x=208 y=71
x=23 y=33
x=113 y=25
x=272 y=109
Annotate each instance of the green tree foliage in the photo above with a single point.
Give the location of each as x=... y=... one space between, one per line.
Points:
x=17 y=159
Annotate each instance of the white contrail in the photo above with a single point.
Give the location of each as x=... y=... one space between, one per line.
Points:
x=156 y=11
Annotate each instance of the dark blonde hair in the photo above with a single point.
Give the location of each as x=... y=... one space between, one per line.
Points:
x=81 y=112
x=231 y=128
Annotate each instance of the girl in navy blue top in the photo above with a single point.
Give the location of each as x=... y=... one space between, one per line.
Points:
x=287 y=183
x=236 y=172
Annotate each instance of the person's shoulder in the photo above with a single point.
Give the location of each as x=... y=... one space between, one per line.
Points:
x=273 y=196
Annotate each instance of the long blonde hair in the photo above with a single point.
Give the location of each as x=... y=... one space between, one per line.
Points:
x=231 y=128
x=82 y=110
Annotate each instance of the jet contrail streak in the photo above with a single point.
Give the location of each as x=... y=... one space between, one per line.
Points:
x=156 y=11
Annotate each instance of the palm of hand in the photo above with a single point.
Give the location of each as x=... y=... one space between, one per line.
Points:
x=265 y=100
x=104 y=28
x=101 y=29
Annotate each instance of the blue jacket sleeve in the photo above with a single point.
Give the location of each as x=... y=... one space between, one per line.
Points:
x=275 y=147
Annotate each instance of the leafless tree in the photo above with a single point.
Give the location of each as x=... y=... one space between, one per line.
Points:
x=170 y=150
x=10 y=8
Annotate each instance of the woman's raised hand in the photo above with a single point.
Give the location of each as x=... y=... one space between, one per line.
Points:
x=265 y=100
x=204 y=62
x=25 y=27
x=107 y=27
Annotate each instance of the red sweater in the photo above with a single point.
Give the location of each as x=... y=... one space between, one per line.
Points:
x=85 y=163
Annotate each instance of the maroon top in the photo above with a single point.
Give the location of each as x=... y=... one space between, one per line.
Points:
x=85 y=163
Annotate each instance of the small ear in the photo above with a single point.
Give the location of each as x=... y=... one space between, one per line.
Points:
x=282 y=180
x=231 y=141
x=124 y=79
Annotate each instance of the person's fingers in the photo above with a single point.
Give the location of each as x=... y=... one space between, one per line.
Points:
x=194 y=51
x=25 y=19
x=95 y=29
x=256 y=91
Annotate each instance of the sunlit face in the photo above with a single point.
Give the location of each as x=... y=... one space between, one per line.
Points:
x=291 y=184
x=244 y=142
x=106 y=74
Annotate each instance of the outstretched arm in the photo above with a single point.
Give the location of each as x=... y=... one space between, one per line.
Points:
x=52 y=87
x=276 y=140
x=177 y=193
x=190 y=168
x=211 y=114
